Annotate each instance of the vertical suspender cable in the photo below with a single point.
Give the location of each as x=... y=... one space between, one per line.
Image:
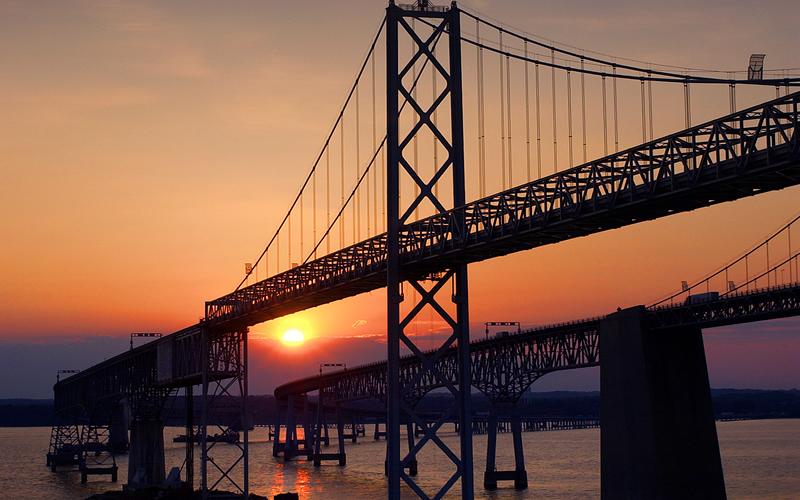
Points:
x=527 y=120
x=687 y=103
x=328 y=197
x=644 y=112
x=538 y=125
x=732 y=101
x=374 y=146
x=302 y=195
x=314 y=211
x=341 y=187
x=357 y=200
x=605 y=118
x=789 y=235
x=383 y=189
x=569 y=116
x=583 y=111
x=650 y=104
x=502 y=117
x=508 y=116
x=289 y=245
x=479 y=92
x=769 y=278
x=555 y=123
x=481 y=119
x=616 y=122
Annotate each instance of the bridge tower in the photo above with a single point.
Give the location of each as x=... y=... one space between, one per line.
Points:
x=423 y=26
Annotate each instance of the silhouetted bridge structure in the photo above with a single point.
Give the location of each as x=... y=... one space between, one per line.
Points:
x=744 y=153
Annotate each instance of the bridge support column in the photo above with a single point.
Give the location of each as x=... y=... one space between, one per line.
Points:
x=431 y=288
x=519 y=475
x=307 y=434
x=190 y=436
x=146 y=457
x=340 y=436
x=658 y=437
x=291 y=431
x=277 y=446
x=489 y=479
x=378 y=432
x=413 y=465
x=118 y=429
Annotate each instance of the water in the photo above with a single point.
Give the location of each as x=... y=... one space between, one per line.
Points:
x=761 y=460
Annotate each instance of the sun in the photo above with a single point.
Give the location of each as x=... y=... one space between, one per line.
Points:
x=293 y=337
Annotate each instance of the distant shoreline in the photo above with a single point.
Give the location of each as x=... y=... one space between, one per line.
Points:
x=729 y=405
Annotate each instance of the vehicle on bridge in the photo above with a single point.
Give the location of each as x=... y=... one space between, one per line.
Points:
x=701 y=298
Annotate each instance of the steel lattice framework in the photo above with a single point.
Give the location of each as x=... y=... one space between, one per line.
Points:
x=504 y=367
x=748 y=152
x=401 y=393
x=742 y=154
x=739 y=155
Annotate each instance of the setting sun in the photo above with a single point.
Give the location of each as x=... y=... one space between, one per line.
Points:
x=293 y=337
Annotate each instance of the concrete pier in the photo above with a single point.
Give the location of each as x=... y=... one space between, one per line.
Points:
x=658 y=437
x=146 y=457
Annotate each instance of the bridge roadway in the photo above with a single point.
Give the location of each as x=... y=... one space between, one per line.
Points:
x=749 y=152
x=504 y=367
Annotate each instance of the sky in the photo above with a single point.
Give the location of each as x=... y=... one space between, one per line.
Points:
x=148 y=150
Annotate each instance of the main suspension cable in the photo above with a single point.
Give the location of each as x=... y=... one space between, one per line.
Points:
x=663 y=75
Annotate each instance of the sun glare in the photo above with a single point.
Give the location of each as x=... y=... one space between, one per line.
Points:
x=293 y=337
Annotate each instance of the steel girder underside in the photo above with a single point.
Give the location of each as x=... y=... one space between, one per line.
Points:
x=504 y=367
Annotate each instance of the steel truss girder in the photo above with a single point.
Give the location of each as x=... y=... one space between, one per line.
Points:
x=400 y=395
x=748 y=152
x=531 y=354
x=224 y=376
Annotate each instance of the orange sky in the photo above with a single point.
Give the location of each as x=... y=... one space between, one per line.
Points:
x=148 y=149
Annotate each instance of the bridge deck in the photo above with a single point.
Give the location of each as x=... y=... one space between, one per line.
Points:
x=553 y=347
x=749 y=152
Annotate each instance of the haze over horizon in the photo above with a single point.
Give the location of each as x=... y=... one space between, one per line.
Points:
x=152 y=149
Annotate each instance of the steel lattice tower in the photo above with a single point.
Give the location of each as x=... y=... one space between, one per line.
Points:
x=445 y=24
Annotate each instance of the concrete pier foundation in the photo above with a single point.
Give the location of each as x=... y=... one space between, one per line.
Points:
x=118 y=428
x=146 y=457
x=658 y=437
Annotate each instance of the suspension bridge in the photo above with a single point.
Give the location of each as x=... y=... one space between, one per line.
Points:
x=402 y=211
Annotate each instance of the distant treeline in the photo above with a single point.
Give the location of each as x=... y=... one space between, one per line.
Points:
x=728 y=404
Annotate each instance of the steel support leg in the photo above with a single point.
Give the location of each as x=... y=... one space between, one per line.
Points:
x=340 y=436
x=291 y=429
x=189 y=460
x=520 y=474
x=446 y=24
x=489 y=479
